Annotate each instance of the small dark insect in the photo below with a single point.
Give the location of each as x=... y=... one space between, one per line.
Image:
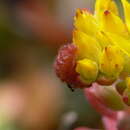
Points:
x=69 y=86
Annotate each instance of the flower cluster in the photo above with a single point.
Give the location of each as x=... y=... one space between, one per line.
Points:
x=99 y=52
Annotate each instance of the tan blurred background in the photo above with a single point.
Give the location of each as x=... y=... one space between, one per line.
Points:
x=31 y=96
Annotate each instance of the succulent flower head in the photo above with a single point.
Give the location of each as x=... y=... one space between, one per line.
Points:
x=104 y=38
x=102 y=50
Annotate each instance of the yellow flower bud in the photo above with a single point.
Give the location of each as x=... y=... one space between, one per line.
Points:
x=128 y=82
x=88 y=47
x=103 y=39
x=111 y=61
x=84 y=20
x=113 y=23
x=102 y=5
x=120 y=41
x=87 y=69
x=126 y=71
x=126 y=6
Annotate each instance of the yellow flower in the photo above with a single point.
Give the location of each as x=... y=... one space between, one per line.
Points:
x=88 y=47
x=102 y=38
x=103 y=5
x=99 y=56
x=87 y=69
x=126 y=6
x=128 y=82
x=111 y=61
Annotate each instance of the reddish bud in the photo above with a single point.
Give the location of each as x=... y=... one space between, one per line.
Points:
x=65 y=66
x=126 y=99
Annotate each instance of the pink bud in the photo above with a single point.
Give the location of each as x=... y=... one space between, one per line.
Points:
x=99 y=106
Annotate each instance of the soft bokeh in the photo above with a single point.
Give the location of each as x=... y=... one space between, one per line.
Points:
x=31 y=96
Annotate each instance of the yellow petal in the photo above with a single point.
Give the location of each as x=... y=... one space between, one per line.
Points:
x=111 y=62
x=121 y=42
x=124 y=45
x=126 y=6
x=102 y=5
x=88 y=47
x=103 y=39
x=85 y=22
x=87 y=69
x=128 y=82
x=112 y=23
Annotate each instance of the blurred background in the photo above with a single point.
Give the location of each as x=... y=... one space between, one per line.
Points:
x=31 y=96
